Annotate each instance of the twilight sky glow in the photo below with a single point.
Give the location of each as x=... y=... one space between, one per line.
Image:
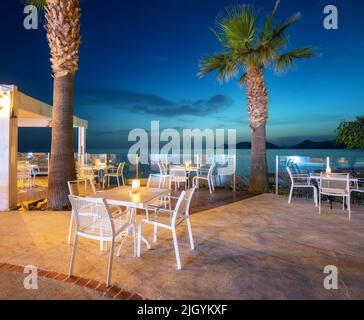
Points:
x=139 y=60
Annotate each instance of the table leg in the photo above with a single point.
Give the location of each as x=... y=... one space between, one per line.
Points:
x=133 y=225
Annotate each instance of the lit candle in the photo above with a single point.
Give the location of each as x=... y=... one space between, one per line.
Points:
x=135 y=185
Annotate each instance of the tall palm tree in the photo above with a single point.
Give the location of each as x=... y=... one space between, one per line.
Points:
x=251 y=50
x=63 y=34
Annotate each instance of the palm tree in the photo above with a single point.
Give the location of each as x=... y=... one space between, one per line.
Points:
x=249 y=50
x=63 y=34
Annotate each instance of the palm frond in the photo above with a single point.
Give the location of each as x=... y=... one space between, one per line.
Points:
x=278 y=31
x=237 y=26
x=242 y=79
x=219 y=37
x=40 y=4
x=221 y=62
x=246 y=47
x=287 y=60
x=269 y=22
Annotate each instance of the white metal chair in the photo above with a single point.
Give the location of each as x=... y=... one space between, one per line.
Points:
x=158 y=181
x=95 y=221
x=86 y=172
x=205 y=175
x=335 y=185
x=85 y=188
x=170 y=219
x=163 y=169
x=301 y=181
x=115 y=173
x=179 y=175
x=24 y=174
x=358 y=186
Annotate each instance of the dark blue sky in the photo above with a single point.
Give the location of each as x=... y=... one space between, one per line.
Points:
x=139 y=60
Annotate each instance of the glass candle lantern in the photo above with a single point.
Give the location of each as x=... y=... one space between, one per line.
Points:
x=188 y=165
x=135 y=186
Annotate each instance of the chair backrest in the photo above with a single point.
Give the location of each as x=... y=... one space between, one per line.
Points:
x=211 y=169
x=182 y=208
x=178 y=172
x=120 y=170
x=85 y=172
x=335 y=183
x=290 y=174
x=159 y=181
x=163 y=170
x=92 y=216
x=23 y=167
x=81 y=187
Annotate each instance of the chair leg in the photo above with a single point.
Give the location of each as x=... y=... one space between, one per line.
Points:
x=176 y=250
x=349 y=206
x=320 y=201
x=344 y=199
x=117 y=178
x=109 y=268
x=212 y=183
x=71 y=228
x=315 y=196
x=139 y=239
x=135 y=241
x=190 y=233
x=155 y=234
x=122 y=179
x=73 y=255
x=209 y=183
x=290 y=195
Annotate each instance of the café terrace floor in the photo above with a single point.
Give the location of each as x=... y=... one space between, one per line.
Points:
x=257 y=248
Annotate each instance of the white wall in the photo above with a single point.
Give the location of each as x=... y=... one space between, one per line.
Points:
x=8 y=149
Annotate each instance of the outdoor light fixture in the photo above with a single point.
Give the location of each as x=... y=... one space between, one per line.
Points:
x=135 y=186
x=188 y=165
x=97 y=163
x=328 y=167
x=4 y=102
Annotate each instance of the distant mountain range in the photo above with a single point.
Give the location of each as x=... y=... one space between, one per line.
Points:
x=307 y=144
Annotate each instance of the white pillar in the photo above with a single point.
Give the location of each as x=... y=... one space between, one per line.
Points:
x=8 y=147
x=81 y=145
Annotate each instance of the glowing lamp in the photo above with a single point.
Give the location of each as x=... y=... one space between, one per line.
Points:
x=4 y=103
x=135 y=186
x=188 y=165
x=97 y=162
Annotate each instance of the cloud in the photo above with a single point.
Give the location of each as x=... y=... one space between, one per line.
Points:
x=152 y=104
x=121 y=99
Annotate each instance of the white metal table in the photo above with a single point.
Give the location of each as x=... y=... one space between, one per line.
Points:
x=123 y=197
x=318 y=178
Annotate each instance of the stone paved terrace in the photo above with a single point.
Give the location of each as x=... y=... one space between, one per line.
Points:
x=258 y=248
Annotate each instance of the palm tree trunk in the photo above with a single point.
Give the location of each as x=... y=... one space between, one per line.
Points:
x=258 y=165
x=62 y=164
x=257 y=106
